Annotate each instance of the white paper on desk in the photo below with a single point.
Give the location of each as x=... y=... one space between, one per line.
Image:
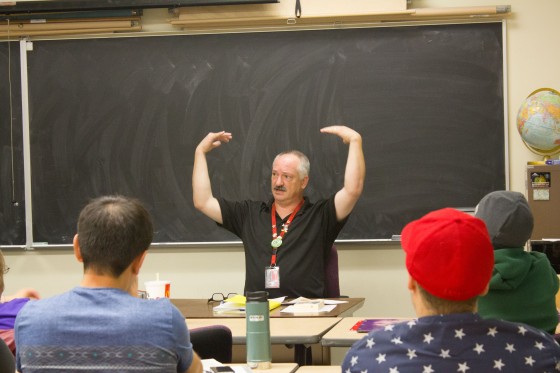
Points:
x=326 y=301
x=229 y=308
x=325 y=308
x=208 y=363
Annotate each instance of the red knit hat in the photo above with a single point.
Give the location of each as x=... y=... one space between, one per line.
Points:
x=449 y=253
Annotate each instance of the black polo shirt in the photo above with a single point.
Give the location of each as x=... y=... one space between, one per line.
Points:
x=304 y=249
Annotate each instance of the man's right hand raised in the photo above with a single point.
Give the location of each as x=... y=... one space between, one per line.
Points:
x=202 y=189
x=213 y=140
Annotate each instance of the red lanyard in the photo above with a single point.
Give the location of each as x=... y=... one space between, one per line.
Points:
x=277 y=239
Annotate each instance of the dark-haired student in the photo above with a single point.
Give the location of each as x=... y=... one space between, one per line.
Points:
x=449 y=258
x=101 y=325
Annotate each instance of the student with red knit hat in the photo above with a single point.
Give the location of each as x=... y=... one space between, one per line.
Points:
x=449 y=258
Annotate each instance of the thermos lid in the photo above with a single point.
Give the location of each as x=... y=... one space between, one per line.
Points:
x=257 y=296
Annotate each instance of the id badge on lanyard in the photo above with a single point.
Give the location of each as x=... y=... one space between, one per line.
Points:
x=272 y=277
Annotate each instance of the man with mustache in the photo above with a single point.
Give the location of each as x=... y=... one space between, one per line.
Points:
x=287 y=257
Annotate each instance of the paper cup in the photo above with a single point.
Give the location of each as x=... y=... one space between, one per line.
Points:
x=157 y=289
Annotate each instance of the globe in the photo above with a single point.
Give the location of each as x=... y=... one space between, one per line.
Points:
x=538 y=121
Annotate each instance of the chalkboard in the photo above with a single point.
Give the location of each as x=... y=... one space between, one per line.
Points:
x=124 y=115
x=12 y=192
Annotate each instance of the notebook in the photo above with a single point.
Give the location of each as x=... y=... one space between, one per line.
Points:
x=367 y=325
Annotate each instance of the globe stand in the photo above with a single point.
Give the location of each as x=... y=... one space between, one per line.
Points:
x=545 y=154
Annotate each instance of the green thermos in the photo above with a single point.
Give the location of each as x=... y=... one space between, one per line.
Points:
x=258 y=330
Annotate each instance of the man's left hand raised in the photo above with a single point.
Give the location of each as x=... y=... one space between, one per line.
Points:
x=345 y=133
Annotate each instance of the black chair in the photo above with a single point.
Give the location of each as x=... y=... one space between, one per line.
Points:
x=7 y=363
x=213 y=342
x=332 y=285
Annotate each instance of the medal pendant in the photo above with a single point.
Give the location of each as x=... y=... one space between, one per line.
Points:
x=276 y=242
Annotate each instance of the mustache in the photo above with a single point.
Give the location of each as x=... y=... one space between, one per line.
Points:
x=280 y=188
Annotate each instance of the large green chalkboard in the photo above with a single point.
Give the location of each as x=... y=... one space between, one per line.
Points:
x=124 y=115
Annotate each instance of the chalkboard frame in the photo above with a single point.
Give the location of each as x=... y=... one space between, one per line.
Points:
x=340 y=161
x=85 y=5
x=12 y=196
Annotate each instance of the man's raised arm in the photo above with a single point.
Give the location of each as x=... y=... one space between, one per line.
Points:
x=202 y=189
x=355 y=172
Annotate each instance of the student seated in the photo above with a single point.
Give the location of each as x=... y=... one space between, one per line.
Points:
x=524 y=284
x=449 y=258
x=10 y=306
x=101 y=325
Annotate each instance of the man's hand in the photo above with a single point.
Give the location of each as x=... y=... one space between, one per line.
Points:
x=213 y=140
x=346 y=134
x=24 y=293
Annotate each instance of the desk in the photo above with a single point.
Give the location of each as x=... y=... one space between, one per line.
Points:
x=341 y=334
x=288 y=331
x=201 y=309
x=200 y=313
x=276 y=368
x=297 y=331
x=319 y=369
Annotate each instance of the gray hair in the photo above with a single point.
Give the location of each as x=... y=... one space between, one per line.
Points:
x=304 y=166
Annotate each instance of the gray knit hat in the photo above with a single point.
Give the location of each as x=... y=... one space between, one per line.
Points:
x=508 y=218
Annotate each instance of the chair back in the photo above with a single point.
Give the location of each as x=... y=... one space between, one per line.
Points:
x=213 y=342
x=332 y=286
x=7 y=363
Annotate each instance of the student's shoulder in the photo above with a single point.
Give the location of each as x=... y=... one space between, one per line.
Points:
x=522 y=331
x=536 y=256
x=155 y=306
x=158 y=311
x=45 y=306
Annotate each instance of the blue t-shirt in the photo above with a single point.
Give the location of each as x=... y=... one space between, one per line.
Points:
x=101 y=329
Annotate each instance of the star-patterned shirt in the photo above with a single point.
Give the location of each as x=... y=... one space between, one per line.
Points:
x=454 y=343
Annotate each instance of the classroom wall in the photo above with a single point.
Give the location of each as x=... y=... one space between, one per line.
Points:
x=373 y=271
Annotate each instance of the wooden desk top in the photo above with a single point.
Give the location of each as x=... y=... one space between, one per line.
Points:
x=200 y=308
x=283 y=330
x=275 y=368
x=319 y=369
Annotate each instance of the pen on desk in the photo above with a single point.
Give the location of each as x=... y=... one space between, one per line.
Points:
x=552 y=161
